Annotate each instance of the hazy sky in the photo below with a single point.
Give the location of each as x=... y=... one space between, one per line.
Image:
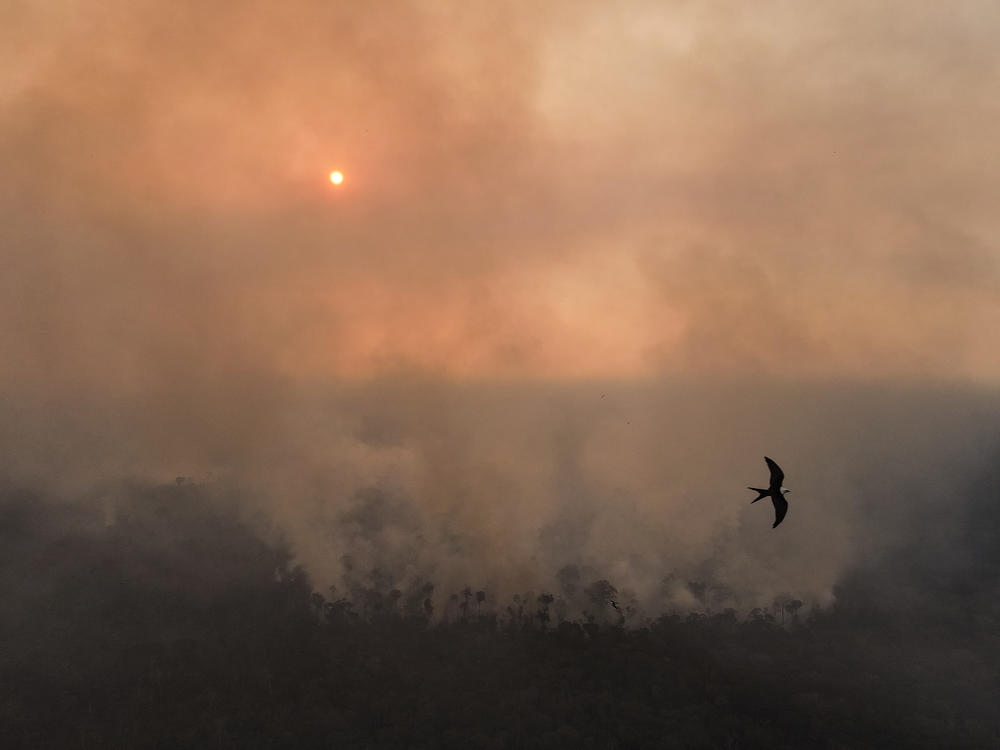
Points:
x=532 y=189
x=535 y=194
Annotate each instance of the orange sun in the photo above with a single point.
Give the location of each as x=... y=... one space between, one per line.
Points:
x=336 y=178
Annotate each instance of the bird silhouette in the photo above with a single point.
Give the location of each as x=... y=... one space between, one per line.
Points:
x=774 y=491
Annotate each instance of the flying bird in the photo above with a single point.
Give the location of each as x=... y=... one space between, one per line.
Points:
x=775 y=492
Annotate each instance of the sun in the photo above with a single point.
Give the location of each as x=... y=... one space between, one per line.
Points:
x=336 y=178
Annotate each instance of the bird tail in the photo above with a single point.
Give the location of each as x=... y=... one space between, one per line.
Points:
x=761 y=494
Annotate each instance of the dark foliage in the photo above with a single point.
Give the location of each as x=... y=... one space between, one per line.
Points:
x=175 y=626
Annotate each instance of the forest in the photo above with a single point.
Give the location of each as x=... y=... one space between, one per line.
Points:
x=176 y=624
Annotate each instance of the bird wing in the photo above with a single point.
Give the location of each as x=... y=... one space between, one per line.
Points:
x=777 y=475
x=780 y=509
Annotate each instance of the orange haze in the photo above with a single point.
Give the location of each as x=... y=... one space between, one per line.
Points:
x=561 y=190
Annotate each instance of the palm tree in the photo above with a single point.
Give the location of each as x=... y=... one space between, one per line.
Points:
x=543 y=613
x=466 y=594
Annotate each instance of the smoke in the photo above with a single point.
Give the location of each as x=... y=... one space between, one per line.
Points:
x=504 y=487
x=557 y=191
x=587 y=267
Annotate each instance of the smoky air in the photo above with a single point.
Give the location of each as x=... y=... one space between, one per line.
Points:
x=392 y=375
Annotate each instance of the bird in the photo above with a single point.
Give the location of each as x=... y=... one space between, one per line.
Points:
x=775 y=492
